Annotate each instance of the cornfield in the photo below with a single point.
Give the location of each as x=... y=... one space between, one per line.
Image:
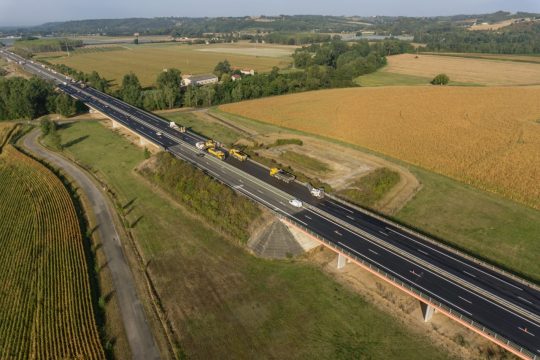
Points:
x=486 y=137
x=45 y=304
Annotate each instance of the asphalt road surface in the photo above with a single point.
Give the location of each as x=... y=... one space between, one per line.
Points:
x=138 y=332
x=500 y=305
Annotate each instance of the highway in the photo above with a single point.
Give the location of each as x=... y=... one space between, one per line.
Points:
x=498 y=305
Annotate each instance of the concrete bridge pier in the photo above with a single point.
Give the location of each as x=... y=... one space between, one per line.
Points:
x=115 y=124
x=341 y=261
x=427 y=311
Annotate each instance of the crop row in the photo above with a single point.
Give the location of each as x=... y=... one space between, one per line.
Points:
x=45 y=304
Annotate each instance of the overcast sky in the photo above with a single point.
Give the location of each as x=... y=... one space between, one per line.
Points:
x=33 y=12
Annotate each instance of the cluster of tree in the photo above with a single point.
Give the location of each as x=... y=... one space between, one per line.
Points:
x=521 y=38
x=31 y=98
x=293 y=38
x=93 y=79
x=166 y=95
x=218 y=204
x=35 y=45
x=346 y=61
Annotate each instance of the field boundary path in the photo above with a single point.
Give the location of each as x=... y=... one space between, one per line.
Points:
x=140 y=338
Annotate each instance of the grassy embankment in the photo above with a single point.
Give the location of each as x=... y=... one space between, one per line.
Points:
x=225 y=302
x=491 y=227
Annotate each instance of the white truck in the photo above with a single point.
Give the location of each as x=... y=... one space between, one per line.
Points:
x=316 y=192
x=174 y=126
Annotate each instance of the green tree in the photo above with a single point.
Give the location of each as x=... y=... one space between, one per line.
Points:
x=65 y=105
x=441 y=79
x=131 y=90
x=46 y=125
x=223 y=67
x=55 y=138
x=169 y=82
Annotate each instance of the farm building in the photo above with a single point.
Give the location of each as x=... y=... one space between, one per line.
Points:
x=199 y=80
x=236 y=77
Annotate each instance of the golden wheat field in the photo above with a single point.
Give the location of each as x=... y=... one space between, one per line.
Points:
x=468 y=70
x=487 y=137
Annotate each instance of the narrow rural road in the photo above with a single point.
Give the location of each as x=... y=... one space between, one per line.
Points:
x=141 y=341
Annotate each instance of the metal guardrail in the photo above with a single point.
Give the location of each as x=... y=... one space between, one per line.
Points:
x=390 y=278
x=439 y=244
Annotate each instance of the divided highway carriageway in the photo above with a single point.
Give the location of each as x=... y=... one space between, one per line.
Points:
x=498 y=305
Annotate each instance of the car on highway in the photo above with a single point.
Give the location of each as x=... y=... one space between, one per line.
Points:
x=296 y=203
x=158 y=133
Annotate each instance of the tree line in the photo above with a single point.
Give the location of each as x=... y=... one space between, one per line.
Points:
x=31 y=98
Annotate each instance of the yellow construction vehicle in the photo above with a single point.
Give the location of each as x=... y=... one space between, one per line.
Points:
x=217 y=153
x=282 y=175
x=238 y=155
x=210 y=144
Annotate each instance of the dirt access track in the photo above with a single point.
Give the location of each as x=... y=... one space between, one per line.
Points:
x=346 y=164
x=140 y=337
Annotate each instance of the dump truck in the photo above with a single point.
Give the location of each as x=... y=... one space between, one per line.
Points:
x=317 y=192
x=282 y=175
x=238 y=155
x=217 y=153
x=175 y=126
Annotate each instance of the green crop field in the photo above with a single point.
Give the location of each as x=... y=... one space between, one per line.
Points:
x=383 y=78
x=46 y=307
x=213 y=289
x=148 y=60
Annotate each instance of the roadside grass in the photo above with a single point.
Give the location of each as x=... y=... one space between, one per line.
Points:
x=303 y=161
x=213 y=130
x=371 y=187
x=504 y=232
x=226 y=303
x=485 y=225
x=383 y=78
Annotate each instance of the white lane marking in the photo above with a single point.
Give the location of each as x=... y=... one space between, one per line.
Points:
x=519 y=297
x=453 y=258
x=350 y=217
x=468 y=273
x=238 y=186
x=415 y=273
x=423 y=252
x=333 y=202
x=308 y=217
x=373 y=251
x=511 y=311
x=526 y=331
x=382 y=232
x=462 y=298
x=241 y=181
x=282 y=203
x=259 y=191
x=387 y=269
x=337 y=232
